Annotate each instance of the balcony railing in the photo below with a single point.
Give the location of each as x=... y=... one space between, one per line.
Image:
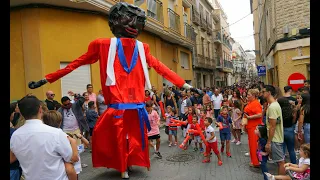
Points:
x=155 y=10
x=193 y=35
x=213 y=63
x=188 y=31
x=195 y=17
x=216 y=17
x=218 y=38
x=228 y=64
x=201 y=60
x=174 y=20
x=208 y=63
x=203 y=24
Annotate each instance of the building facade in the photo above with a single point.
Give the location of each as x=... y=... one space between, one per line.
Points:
x=282 y=37
x=46 y=37
x=222 y=45
x=239 y=57
x=203 y=63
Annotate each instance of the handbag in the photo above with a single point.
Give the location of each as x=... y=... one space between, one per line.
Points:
x=244 y=120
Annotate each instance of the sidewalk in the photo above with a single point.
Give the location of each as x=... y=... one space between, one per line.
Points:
x=177 y=164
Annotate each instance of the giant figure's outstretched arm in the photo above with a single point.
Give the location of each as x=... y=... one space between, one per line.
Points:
x=90 y=57
x=163 y=70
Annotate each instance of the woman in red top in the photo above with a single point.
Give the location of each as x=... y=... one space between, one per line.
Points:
x=147 y=96
x=253 y=112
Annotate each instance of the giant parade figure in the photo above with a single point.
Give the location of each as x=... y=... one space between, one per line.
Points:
x=120 y=134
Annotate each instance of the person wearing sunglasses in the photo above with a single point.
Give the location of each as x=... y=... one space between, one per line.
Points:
x=51 y=103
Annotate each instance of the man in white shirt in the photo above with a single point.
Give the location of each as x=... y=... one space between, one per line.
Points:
x=216 y=99
x=40 y=149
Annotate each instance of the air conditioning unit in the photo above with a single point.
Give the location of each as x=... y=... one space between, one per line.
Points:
x=304 y=31
x=286 y=30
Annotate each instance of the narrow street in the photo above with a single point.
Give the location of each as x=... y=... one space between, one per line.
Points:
x=190 y=166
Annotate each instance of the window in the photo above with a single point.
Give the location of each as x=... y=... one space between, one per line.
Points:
x=76 y=80
x=201 y=11
x=152 y=8
x=184 y=59
x=208 y=49
x=171 y=4
x=138 y=2
x=202 y=44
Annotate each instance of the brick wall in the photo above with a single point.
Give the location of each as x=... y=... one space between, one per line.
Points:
x=276 y=14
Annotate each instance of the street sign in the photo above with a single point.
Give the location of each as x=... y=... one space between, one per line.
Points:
x=261 y=70
x=296 y=80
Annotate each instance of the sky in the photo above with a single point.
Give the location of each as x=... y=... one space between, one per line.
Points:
x=241 y=31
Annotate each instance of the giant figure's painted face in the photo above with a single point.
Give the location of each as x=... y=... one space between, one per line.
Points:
x=126 y=20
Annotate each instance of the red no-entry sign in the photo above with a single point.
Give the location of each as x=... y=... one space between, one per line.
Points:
x=296 y=80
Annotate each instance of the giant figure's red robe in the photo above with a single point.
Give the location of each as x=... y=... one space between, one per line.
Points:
x=109 y=146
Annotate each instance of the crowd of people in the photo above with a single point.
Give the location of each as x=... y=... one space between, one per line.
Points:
x=280 y=123
x=58 y=132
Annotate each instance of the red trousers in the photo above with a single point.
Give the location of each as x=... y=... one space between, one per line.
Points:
x=253 y=146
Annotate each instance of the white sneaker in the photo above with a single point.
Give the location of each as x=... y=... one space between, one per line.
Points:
x=170 y=144
x=125 y=175
x=270 y=176
x=238 y=143
x=234 y=141
x=247 y=154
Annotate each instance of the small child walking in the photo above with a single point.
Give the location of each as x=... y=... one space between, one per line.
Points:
x=225 y=132
x=209 y=111
x=236 y=122
x=196 y=136
x=173 y=130
x=154 y=133
x=262 y=133
x=211 y=142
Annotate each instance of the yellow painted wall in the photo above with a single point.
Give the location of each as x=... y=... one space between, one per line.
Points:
x=287 y=66
x=17 y=76
x=62 y=36
x=65 y=36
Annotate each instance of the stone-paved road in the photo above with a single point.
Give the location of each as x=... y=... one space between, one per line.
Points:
x=234 y=168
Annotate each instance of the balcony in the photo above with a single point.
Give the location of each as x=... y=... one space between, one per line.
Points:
x=217 y=39
x=209 y=63
x=193 y=36
x=155 y=10
x=227 y=43
x=201 y=61
x=228 y=66
x=209 y=26
x=195 y=17
x=174 y=20
x=216 y=17
x=203 y=24
x=188 y=31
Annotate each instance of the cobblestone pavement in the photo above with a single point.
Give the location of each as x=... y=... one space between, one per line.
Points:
x=234 y=168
